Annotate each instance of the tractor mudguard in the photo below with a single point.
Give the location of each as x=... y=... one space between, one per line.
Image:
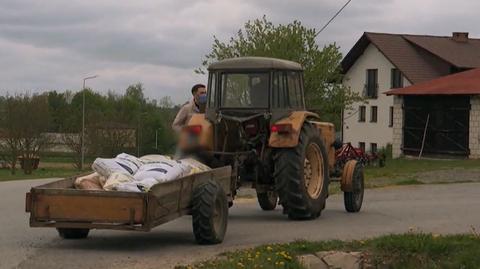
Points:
x=198 y=133
x=290 y=139
x=327 y=132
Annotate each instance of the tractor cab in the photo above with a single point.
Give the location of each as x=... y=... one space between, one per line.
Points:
x=252 y=85
x=248 y=95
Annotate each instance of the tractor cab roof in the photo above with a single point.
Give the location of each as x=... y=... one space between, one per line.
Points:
x=257 y=63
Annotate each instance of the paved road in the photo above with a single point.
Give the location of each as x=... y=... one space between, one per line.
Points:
x=451 y=208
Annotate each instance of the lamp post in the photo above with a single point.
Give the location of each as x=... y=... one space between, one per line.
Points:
x=83 y=120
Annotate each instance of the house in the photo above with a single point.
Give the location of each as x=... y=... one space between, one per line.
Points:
x=439 y=117
x=379 y=62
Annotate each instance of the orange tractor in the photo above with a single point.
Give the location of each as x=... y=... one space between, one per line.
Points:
x=256 y=121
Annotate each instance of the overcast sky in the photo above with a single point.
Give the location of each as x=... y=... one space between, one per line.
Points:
x=53 y=44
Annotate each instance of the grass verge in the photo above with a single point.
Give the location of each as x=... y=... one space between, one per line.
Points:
x=5 y=174
x=404 y=167
x=411 y=250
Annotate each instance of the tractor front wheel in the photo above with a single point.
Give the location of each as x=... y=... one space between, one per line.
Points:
x=353 y=199
x=267 y=200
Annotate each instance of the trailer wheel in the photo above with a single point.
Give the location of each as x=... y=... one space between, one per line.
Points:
x=267 y=200
x=353 y=200
x=73 y=233
x=301 y=176
x=209 y=213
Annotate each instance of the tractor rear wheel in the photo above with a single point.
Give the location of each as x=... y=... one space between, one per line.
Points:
x=301 y=175
x=353 y=200
x=209 y=213
x=267 y=200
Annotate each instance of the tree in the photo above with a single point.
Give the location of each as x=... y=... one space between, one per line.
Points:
x=324 y=91
x=35 y=120
x=11 y=131
x=24 y=123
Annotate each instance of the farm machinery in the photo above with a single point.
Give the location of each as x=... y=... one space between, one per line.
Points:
x=256 y=122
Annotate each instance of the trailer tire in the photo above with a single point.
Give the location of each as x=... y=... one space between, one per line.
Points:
x=267 y=200
x=73 y=233
x=209 y=213
x=299 y=199
x=353 y=200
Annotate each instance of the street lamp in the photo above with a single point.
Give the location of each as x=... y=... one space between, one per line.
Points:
x=83 y=121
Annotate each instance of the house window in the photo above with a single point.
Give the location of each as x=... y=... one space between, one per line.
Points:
x=362 y=110
x=371 y=85
x=390 y=117
x=361 y=145
x=396 y=79
x=373 y=147
x=373 y=114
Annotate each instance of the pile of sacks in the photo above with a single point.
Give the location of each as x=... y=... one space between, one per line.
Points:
x=129 y=173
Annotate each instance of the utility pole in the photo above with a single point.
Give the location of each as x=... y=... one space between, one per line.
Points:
x=83 y=121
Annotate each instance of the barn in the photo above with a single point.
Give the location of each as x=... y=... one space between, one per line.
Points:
x=440 y=117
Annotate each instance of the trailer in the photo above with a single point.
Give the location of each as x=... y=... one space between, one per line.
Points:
x=73 y=212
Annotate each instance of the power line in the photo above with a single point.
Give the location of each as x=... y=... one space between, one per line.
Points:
x=334 y=16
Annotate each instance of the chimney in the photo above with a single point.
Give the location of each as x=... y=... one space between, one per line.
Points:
x=460 y=37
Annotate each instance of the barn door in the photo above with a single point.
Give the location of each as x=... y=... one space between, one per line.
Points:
x=448 y=124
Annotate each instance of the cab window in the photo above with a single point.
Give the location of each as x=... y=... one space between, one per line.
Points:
x=244 y=90
x=287 y=90
x=212 y=86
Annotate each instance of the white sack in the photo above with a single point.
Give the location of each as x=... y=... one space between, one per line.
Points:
x=115 y=179
x=128 y=186
x=106 y=167
x=163 y=171
x=146 y=184
x=195 y=166
x=137 y=186
x=130 y=159
x=154 y=158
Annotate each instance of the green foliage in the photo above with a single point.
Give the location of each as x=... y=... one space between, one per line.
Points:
x=24 y=121
x=120 y=123
x=324 y=91
x=113 y=123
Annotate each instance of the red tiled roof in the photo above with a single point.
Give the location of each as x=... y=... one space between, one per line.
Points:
x=419 y=57
x=463 y=83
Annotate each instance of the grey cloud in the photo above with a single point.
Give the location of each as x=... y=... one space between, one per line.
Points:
x=52 y=44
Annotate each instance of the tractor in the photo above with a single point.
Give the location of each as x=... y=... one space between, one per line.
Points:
x=256 y=121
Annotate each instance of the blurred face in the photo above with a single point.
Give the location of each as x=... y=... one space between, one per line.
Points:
x=200 y=96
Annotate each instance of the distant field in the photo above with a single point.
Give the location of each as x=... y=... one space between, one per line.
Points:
x=5 y=174
x=396 y=172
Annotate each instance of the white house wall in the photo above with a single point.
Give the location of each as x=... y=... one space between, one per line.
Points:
x=370 y=132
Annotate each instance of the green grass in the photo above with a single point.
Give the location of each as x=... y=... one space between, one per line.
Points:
x=401 y=167
x=411 y=250
x=411 y=181
x=5 y=174
x=63 y=159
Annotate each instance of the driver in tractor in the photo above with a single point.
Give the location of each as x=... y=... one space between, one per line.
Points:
x=258 y=94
